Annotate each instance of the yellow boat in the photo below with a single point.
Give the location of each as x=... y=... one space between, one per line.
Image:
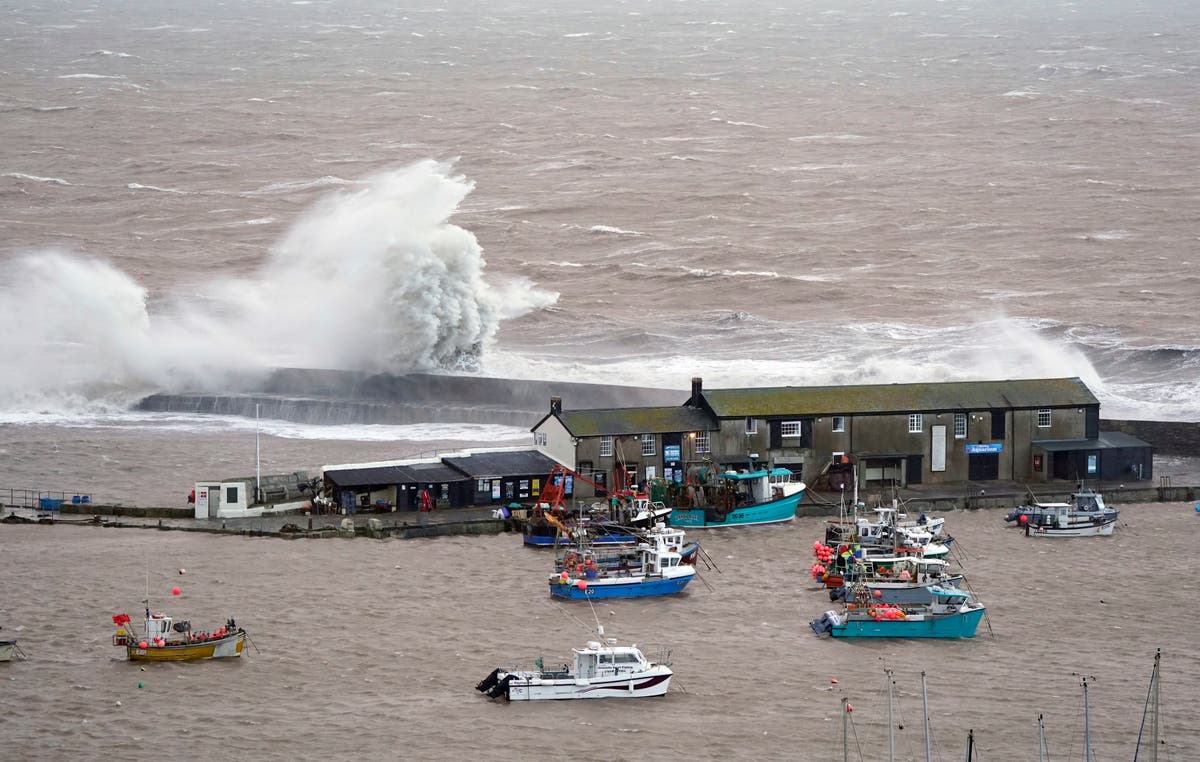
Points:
x=167 y=640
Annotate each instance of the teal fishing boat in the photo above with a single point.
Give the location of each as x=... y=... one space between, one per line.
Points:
x=741 y=498
x=949 y=614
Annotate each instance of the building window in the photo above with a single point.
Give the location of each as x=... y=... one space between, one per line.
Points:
x=606 y=447
x=1044 y=418
x=751 y=425
x=914 y=423
x=647 y=444
x=960 y=425
x=839 y=423
x=702 y=442
x=539 y=439
x=789 y=428
x=231 y=494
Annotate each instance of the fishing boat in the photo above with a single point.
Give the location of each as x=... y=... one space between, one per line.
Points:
x=168 y=640
x=744 y=498
x=1083 y=500
x=9 y=649
x=906 y=581
x=587 y=554
x=601 y=669
x=540 y=532
x=1060 y=520
x=950 y=614
x=655 y=566
x=551 y=524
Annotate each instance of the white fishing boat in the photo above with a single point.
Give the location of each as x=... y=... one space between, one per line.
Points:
x=601 y=669
x=1061 y=520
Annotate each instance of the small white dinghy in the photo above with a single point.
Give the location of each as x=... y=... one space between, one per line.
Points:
x=602 y=669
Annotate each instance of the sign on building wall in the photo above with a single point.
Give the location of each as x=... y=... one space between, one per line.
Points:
x=979 y=449
x=671 y=453
x=1093 y=461
x=202 y=500
x=937 y=460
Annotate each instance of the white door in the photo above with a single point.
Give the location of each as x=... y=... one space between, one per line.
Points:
x=937 y=459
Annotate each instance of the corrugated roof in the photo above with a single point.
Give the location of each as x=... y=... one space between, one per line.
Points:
x=636 y=420
x=898 y=398
x=434 y=471
x=482 y=465
x=1109 y=440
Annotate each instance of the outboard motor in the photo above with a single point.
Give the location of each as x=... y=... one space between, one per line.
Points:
x=486 y=683
x=501 y=688
x=825 y=623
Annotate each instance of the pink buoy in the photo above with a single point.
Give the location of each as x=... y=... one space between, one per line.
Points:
x=175 y=591
x=142 y=644
x=878 y=593
x=581 y=584
x=564 y=575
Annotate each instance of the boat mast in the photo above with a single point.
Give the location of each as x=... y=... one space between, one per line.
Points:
x=845 y=729
x=970 y=744
x=1041 y=740
x=257 y=457
x=925 y=715
x=1087 y=722
x=891 y=725
x=1151 y=712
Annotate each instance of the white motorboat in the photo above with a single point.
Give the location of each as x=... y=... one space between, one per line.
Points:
x=601 y=669
x=1061 y=520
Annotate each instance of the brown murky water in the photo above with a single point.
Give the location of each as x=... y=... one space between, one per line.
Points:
x=371 y=649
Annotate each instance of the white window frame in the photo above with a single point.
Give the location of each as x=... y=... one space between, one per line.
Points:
x=960 y=418
x=839 y=424
x=648 y=447
x=916 y=423
x=701 y=442
x=606 y=446
x=790 y=429
x=751 y=425
x=1044 y=418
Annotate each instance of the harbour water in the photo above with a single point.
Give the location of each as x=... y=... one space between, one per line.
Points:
x=370 y=649
x=805 y=192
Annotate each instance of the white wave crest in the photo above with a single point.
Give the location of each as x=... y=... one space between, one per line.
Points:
x=37 y=179
x=139 y=186
x=85 y=75
x=614 y=231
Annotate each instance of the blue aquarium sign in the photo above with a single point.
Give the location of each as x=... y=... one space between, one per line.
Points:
x=671 y=453
x=979 y=449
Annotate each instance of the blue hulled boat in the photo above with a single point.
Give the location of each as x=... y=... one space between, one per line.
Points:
x=655 y=566
x=746 y=498
x=950 y=614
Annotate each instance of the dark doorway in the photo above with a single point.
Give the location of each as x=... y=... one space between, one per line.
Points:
x=982 y=467
x=913 y=475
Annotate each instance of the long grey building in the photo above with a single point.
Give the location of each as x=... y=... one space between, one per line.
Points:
x=1031 y=430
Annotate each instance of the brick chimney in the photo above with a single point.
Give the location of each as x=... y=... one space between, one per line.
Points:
x=555 y=405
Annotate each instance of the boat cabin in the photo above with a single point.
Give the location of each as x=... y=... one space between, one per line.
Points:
x=608 y=660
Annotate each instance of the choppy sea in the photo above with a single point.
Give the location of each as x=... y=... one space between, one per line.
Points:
x=798 y=192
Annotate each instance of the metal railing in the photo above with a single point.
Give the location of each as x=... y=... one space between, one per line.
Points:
x=41 y=499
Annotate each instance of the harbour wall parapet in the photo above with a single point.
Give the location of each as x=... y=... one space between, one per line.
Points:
x=1167 y=437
